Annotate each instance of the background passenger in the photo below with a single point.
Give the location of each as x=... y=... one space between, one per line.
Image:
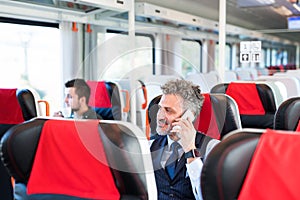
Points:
x=177 y=135
x=77 y=98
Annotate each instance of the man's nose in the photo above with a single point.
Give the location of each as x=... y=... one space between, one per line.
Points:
x=161 y=114
x=67 y=100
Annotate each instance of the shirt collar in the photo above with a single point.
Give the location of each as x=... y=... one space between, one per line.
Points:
x=170 y=141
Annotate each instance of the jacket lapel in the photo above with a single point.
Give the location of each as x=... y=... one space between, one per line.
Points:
x=180 y=165
x=157 y=152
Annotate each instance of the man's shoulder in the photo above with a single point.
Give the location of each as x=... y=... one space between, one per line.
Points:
x=91 y=114
x=157 y=140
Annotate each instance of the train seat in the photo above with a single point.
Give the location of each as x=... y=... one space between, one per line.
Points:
x=287 y=115
x=205 y=80
x=107 y=100
x=138 y=100
x=292 y=85
x=230 y=76
x=81 y=159
x=199 y=79
x=212 y=78
x=17 y=106
x=219 y=116
x=153 y=83
x=262 y=71
x=244 y=74
x=253 y=164
x=256 y=102
x=151 y=117
x=289 y=73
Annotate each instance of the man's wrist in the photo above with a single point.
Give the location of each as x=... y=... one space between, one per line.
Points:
x=193 y=153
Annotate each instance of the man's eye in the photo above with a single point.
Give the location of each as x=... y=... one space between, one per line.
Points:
x=168 y=110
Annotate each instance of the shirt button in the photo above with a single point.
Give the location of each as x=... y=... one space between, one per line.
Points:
x=171 y=195
x=171 y=187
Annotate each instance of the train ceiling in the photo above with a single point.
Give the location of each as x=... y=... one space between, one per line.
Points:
x=264 y=16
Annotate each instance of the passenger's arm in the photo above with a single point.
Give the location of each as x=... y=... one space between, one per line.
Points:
x=194 y=169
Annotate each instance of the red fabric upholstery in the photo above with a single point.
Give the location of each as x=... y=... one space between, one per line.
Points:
x=298 y=127
x=70 y=160
x=206 y=121
x=99 y=96
x=274 y=173
x=246 y=97
x=10 y=109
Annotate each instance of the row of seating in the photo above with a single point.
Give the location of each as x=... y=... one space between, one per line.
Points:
x=227 y=108
x=107 y=99
x=215 y=105
x=126 y=166
x=127 y=99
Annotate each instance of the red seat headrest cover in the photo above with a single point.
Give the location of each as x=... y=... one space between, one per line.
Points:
x=298 y=126
x=246 y=97
x=99 y=97
x=206 y=121
x=10 y=111
x=70 y=160
x=274 y=173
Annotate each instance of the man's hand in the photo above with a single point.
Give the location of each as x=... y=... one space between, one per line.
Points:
x=58 y=114
x=185 y=130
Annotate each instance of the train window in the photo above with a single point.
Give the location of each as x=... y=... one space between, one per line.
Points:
x=285 y=57
x=268 y=57
x=262 y=62
x=120 y=56
x=191 y=56
x=29 y=59
x=279 y=57
x=228 y=56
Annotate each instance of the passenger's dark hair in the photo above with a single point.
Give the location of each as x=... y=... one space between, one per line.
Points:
x=82 y=89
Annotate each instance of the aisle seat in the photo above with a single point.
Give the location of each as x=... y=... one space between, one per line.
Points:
x=253 y=164
x=219 y=116
x=256 y=102
x=287 y=116
x=107 y=100
x=81 y=159
x=292 y=85
x=17 y=106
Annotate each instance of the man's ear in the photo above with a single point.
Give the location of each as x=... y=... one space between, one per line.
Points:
x=82 y=100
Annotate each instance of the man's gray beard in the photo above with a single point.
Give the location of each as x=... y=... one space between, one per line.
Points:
x=161 y=132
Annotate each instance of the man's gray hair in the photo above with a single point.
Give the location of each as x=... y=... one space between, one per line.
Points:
x=190 y=93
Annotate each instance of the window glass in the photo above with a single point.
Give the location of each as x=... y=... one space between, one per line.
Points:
x=268 y=57
x=285 y=57
x=191 y=56
x=274 y=57
x=29 y=59
x=120 y=55
x=262 y=63
x=227 y=56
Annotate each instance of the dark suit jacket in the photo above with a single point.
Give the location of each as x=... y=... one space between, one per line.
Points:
x=180 y=187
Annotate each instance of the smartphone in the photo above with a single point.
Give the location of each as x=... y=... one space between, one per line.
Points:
x=188 y=114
